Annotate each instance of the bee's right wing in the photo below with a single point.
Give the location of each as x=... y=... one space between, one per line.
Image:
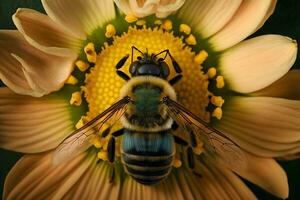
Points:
x=80 y=140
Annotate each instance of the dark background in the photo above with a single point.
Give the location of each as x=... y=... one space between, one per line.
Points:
x=285 y=21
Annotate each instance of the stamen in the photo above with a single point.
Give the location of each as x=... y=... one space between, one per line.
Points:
x=201 y=57
x=76 y=99
x=82 y=66
x=217 y=113
x=177 y=163
x=131 y=18
x=167 y=25
x=81 y=122
x=220 y=82
x=72 y=80
x=212 y=72
x=158 y=22
x=184 y=28
x=110 y=31
x=191 y=40
x=102 y=155
x=90 y=52
x=217 y=101
x=141 y=22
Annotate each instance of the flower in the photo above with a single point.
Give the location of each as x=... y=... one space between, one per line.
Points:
x=67 y=59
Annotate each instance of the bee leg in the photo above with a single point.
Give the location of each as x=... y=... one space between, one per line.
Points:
x=180 y=141
x=121 y=63
x=111 y=149
x=175 y=79
x=118 y=132
x=190 y=158
x=123 y=75
x=175 y=126
x=112 y=175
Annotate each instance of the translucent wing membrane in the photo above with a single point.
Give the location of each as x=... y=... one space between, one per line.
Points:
x=80 y=140
x=216 y=143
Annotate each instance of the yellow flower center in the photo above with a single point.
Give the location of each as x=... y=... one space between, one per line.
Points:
x=103 y=85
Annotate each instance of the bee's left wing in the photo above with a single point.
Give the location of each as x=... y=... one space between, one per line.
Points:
x=216 y=142
x=80 y=140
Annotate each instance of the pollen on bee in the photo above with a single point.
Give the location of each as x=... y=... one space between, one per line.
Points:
x=90 y=52
x=217 y=101
x=220 y=82
x=131 y=18
x=191 y=40
x=211 y=72
x=198 y=149
x=102 y=155
x=217 y=113
x=201 y=57
x=76 y=99
x=97 y=142
x=184 y=28
x=72 y=80
x=177 y=163
x=167 y=25
x=110 y=31
x=81 y=65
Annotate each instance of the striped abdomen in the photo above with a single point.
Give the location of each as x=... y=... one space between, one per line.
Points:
x=148 y=157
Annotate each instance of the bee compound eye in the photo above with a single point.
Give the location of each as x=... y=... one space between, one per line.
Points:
x=165 y=70
x=133 y=67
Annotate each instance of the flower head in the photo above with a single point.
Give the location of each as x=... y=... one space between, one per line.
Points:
x=60 y=73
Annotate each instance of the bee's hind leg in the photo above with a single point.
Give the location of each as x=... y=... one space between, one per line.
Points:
x=111 y=149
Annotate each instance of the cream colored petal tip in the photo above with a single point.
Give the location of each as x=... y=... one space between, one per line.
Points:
x=43 y=33
x=79 y=17
x=266 y=173
x=32 y=125
x=208 y=17
x=27 y=70
x=258 y=62
x=250 y=16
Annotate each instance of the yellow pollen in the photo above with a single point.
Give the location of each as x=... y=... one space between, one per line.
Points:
x=167 y=25
x=217 y=101
x=198 y=149
x=82 y=66
x=177 y=163
x=217 y=113
x=184 y=28
x=97 y=142
x=90 y=52
x=212 y=72
x=158 y=22
x=103 y=85
x=191 y=40
x=220 y=82
x=72 y=80
x=110 y=31
x=201 y=57
x=141 y=22
x=76 y=99
x=83 y=120
x=102 y=155
x=131 y=18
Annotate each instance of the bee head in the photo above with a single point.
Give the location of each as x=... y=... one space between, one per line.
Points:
x=149 y=65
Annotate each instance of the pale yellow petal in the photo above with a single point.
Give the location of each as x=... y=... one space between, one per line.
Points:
x=249 y=17
x=208 y=17
x=287 y=87
x=258 y=62
x=266 y=173
x=80 y=17
x=43 y=33
x=264 y=126
x=32 y=125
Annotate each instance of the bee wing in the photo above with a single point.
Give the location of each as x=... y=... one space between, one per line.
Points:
x=216 y=142
x=80 y=140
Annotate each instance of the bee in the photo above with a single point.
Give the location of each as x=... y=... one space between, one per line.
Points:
x=148 y=111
